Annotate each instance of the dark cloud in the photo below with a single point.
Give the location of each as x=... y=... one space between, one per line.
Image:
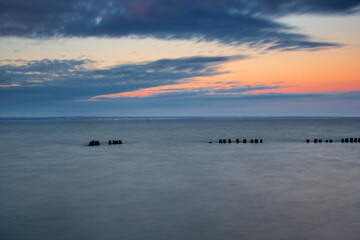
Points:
x=63 y=80
x=289 y=97
x=198 y=104
x=230 y=92
x=225 y=21
x=51 y=87
x=48 y=82
x=284 y=7
x=235 y=95
x=39 y=72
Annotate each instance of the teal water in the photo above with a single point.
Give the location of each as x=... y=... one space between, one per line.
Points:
x=167 y=182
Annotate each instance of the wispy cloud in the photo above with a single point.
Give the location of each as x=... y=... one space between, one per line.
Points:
x=73 y=80
x=216 y=88
x=225 y=21
x=165 y=85
x=39 y=72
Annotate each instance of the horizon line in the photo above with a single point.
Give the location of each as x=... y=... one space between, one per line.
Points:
x=160 y=117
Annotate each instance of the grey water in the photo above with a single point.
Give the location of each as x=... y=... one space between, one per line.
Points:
x=167 y=182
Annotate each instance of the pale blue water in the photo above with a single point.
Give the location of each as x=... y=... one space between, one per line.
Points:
x=167 y=182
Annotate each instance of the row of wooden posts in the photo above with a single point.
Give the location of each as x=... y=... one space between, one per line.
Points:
x=346 y=140
x=238 y=141
x=115 y=142
x=343 y=140
x=97 y=143
x=94 y=143
x=316 y=140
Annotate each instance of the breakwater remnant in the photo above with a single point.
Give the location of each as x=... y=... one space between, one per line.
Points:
x=94 y=143
x=97 y=143
x=115 y=142
x=319 y=140
x=350 y=140
x=256 y=140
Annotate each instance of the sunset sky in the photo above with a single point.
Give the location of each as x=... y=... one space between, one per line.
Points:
x=179 y=58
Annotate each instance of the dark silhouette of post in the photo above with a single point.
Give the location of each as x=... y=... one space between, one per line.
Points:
x=94 y=143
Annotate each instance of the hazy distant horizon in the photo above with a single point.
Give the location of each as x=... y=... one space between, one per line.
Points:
x=170 y=117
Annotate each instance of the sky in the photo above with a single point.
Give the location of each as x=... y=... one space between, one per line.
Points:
x=179 y=58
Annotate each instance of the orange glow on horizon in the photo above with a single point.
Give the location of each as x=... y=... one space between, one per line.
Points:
x=139 y=93
x=333 y=70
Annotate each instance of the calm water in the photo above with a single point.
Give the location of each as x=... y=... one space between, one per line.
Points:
x=167 y=182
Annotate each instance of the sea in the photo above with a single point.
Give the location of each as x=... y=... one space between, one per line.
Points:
x=166 y=181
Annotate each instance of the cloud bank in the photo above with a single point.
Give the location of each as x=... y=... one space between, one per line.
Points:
x=71 y=80
x=62 y=87
x=225 y=21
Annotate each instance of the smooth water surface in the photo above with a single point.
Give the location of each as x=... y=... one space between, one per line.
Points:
x=167 y=182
